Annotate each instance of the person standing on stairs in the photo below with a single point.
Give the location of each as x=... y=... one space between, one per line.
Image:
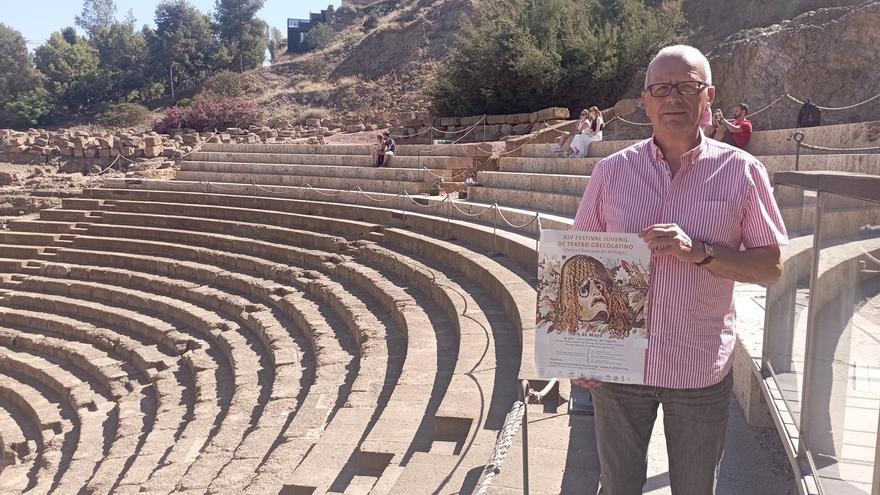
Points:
x=706 y=211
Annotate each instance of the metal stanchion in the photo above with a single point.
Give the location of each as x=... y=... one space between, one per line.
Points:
x=798 y=139
x=494 y=228
x=524 y=396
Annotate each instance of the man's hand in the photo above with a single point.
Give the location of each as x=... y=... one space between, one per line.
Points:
x=586 y=382
x=669 y=239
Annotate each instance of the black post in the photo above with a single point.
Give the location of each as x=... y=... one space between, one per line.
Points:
x=798 y=138
x=524 y=390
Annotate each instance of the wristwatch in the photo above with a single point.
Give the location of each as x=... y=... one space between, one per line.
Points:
x=710 y=254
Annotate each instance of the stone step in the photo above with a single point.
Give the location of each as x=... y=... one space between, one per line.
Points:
x=44 y=415
x=475 y=225
x=27 y=238
x=431 y=161
x=547 y=165
x=534 y=182
x=17 y=452
x=455 y=150
x=561 y=204
x=90 y=410
x=365 y=172
x=327 y=376
x=597 y=149
x=42 y=226
x=856 y=163
x=244 y=182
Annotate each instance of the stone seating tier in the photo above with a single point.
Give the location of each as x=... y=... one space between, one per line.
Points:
x=362 y=160
x=106 y=231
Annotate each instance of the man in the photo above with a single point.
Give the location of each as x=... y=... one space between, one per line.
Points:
x=390 y=149
x=738 y=132
x=695 y=202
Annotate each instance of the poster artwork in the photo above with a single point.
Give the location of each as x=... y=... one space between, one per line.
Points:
x=592 y=306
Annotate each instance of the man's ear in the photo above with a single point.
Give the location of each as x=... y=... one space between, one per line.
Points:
x=710 y=92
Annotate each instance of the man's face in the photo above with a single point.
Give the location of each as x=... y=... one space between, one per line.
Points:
x=737 y=112
x=675 y=112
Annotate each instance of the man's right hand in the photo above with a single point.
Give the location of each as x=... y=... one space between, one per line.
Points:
x=586 y=382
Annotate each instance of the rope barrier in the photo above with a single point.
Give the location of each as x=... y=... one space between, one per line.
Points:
x=533 y=220
x=471 y=214
x=799 y=140
x=329 y=195
x=436 y=204
x=847 y=107
x=539 y=396
x=502 y=445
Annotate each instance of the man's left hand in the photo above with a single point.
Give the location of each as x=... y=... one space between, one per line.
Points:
x=669 y=239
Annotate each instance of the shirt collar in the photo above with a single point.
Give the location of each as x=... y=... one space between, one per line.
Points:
x=689 y=156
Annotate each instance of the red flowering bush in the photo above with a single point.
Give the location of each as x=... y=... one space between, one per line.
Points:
x=207 y=115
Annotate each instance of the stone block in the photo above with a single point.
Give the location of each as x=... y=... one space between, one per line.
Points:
x=447 y=121
x=105 y=143
x=551 y=113
x=152 y=141
x=497 y=119
x=78 y=152
x=471 y=120
x=521 y=118
x=127 y=150
x=153 y=151
x=355 y=128
x=506 y=129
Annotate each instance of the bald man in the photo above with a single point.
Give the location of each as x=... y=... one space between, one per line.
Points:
x=706 y=211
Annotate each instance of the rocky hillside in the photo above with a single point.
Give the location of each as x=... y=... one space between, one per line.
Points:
x=759 y=50
x=830 y=55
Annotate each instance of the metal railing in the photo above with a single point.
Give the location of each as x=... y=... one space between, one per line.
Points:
x=819 y=350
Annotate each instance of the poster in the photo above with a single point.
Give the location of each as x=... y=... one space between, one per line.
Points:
x=592 y=306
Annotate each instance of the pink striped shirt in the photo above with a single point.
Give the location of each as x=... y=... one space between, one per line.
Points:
x=720 y=195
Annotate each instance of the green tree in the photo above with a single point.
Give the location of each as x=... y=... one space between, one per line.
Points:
x=319 y=37
x=277 y=43
x=29 y=108
x=96 y=15
x=182 y=46
x=123 y=54
x=18 y=74
x=241 y=32
x=72 y=70
x=539 y=53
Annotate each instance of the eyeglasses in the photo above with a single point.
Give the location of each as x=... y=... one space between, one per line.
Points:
x=684 y=88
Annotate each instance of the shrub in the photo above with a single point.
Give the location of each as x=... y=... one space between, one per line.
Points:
x=371 y=22
x=184 y=102
x=29 y=108
x=227 y=84
x=206 y=115
x=123 y=115
x=319 y=37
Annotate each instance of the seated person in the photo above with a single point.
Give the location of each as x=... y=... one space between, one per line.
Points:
x=378 y=151
x=737 y=132
x=582 y=125
x=390 y=149
x=580 y=145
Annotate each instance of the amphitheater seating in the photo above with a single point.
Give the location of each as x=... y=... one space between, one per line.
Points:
x=257 y=326
x=407 y=346
x=541 y=180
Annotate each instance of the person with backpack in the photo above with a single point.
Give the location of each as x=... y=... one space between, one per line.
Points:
x=809 y=115
x=736 y=132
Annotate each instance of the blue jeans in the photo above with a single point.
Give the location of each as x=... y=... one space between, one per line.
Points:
x=695 y=423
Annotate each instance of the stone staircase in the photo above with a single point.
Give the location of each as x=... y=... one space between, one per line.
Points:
x=541 y=180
